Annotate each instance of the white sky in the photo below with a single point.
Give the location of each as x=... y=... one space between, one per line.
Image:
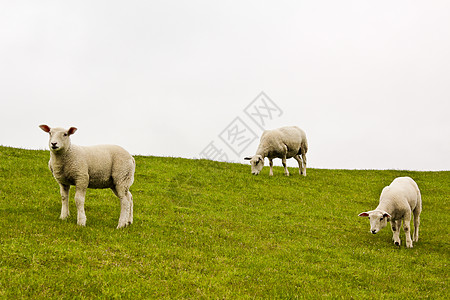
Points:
x=369 y=81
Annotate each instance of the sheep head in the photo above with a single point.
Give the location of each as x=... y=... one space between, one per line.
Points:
x=257 y=163
x=59 y=137
x=378 y=219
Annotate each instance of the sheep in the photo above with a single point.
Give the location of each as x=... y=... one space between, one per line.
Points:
x=97 y=167
x=397 y=202
x=284 y=143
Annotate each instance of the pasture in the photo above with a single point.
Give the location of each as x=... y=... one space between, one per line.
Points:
x=207 y=230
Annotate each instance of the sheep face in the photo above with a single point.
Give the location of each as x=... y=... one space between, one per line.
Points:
x=257 y=163
x=378 y=220
x=59 y=138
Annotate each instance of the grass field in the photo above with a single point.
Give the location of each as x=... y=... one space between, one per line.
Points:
x=205 y=229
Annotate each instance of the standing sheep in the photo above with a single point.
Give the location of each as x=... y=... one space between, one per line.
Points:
x=284 y=143
x=397 y=202
x=98 y=167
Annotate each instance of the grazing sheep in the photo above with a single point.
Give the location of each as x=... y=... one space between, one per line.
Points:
x=284 y=143
x=397 y=202
x=98 y=167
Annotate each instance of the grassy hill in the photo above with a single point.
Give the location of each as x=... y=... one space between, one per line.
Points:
x=205 y=229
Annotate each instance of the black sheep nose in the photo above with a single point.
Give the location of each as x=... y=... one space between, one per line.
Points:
x=374 y=231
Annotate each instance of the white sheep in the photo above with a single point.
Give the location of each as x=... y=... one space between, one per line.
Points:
x=98 y=167
x=284 y=143
x=397 y=202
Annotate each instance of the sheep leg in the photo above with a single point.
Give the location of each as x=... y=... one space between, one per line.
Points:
x=271 y=167
x=80 y=194
x=286 y=172
x=304 y=164
x=126 y=206
x=299 y=160
x=406 y=228
x=64 y=190
x=416 y=225
x=130 y=199
x=395 y=226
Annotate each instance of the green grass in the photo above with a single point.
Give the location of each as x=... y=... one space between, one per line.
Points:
x=205 y=229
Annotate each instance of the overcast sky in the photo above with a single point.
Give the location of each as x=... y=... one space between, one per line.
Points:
x=369 y=81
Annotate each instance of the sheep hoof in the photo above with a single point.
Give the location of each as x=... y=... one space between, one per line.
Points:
x=122 y=225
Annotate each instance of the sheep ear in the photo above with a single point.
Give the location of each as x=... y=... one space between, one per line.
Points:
x=363 y=214
x=46 y=128
x=248 y=158
x=71 y=130
x=386 y=215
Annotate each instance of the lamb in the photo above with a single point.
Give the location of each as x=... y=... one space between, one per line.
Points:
x=97 y=167
x=284 y=143
x=397 y=202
